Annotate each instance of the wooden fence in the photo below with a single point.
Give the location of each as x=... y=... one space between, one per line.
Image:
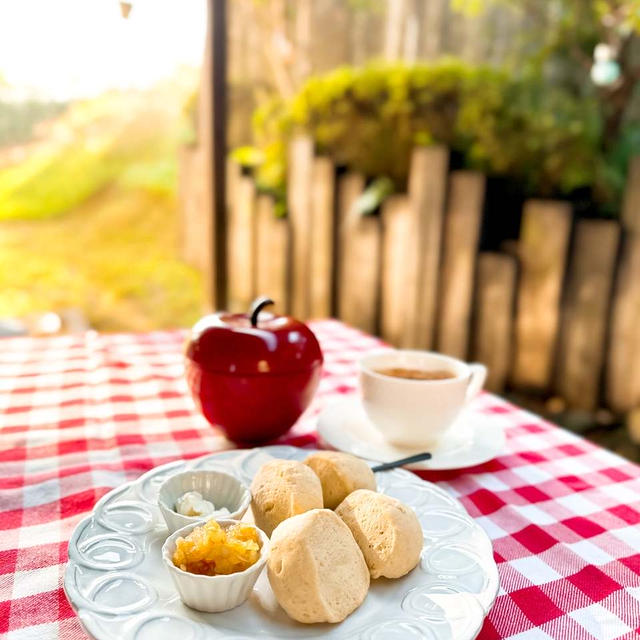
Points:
x=558 y=312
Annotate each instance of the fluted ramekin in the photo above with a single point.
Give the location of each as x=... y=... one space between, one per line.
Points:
x=223 y=489
x=213 y=594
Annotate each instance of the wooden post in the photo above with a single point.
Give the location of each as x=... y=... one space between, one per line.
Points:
x=460 y=246
x=585 y=312
x=631 y=206
x=623 y=365
x=544 y=239
x=349 y=189
x=241 y=248
x=360 y=285
x=322 y=224
x=299 y=189
x=272 y=254
x=492 y=338
x=360 y=244
x=214 y=98
x=396 y=222
x=427 y=189
x=361 y=269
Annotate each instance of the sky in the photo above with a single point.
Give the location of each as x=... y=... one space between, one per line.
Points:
x=64 y=49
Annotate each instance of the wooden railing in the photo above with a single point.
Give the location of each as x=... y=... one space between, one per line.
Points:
x=558 y=311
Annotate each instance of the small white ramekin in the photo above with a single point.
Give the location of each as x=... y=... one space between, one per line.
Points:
x=223 y=489
x=213 y=594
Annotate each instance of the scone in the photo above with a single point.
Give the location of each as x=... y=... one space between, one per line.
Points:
x=281 y=489
x=340 y=474
x=316 y=569
x=387 y=531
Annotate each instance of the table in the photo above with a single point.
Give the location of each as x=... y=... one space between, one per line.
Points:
x=80 y=415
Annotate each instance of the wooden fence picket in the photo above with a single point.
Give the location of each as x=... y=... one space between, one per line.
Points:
x=460 y=247
x=581 y=347
x=394 y=304
x=492 y=338
x=630 y=216
x=544 y=240
x=622 y=383
x=362 y=267
x=360 y=239
x=300 y=181
x=241 y=248
x=322 y=210
x=349 y=188
x=427 y=191
x=272 y=253
x=623 y=365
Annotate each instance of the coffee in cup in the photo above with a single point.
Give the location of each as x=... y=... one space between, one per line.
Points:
x=416 y=374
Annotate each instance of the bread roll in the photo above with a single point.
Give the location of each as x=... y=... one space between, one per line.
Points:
x=387 y=531
x=340 y=474
x=316 y=569
x=281 y=489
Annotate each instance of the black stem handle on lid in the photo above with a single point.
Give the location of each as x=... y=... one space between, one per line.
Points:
x=257 y=306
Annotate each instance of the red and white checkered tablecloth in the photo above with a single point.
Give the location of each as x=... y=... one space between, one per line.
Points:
x=81 y=415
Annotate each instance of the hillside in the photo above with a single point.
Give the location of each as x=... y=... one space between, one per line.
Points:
x=88 y=214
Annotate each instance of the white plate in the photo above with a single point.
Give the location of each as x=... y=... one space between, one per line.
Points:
x=474 y=438
x=117 y=584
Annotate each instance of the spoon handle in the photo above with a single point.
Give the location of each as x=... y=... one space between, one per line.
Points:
x=419 y=457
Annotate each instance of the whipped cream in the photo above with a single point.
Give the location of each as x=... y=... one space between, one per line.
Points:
x=192 y=503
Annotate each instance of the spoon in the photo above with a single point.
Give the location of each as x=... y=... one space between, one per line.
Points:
x=419 y=457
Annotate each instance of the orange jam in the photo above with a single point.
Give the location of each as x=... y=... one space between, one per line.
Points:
x=211 y=550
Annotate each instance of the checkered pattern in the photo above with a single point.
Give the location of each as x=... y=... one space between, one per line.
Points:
x=81 y=415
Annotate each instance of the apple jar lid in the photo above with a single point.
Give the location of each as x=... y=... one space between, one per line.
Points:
x=253 y=343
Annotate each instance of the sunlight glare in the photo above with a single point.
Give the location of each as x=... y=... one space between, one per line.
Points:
x=66 y=49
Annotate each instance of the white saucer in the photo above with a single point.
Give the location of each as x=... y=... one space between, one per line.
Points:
x=474 y=438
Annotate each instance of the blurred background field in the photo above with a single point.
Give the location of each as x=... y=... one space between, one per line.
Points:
x=88 y=213
x=90 y=127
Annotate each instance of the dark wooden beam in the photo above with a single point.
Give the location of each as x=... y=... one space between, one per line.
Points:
x=217 y=34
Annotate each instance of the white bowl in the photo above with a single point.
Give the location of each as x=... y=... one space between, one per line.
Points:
x=213 y=593
x=223 y=489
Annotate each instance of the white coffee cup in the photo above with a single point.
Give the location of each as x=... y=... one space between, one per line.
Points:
x=416 y=413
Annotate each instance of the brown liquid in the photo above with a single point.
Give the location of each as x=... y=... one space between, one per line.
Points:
x=416 y=374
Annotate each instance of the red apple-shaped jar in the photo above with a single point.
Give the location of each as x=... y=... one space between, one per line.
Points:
x=252 y=374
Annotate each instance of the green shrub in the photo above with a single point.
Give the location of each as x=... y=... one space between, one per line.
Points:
x=368 y=119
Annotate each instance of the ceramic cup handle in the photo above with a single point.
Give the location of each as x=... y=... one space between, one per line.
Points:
x=476 y=381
